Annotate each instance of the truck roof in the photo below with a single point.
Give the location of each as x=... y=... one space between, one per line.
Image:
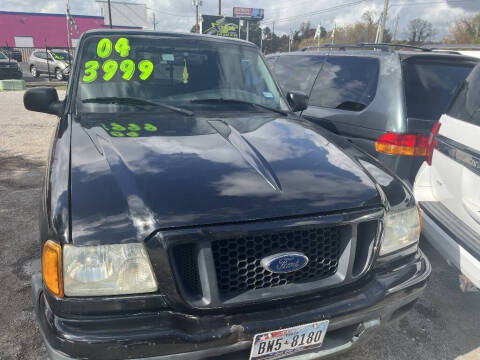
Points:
x=184 y=35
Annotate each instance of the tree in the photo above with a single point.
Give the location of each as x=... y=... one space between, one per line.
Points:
x=369 y=17
x=254 y=32
x=323 y=32
x=419 y=31
x=465 y=31
x=194 y=28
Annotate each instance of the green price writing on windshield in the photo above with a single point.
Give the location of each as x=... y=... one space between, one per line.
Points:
x=122 y=46
x=110 y=67
x=91 y=68
x=128 y=68
x=130 y=130
x=104 y=47
x=146 y=68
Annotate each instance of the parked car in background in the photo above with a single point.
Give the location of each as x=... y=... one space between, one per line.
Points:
x=383 y=100
x=12 y=53
x=9 y=68
x=448 y=183
x=54 y=62
x=189 y=213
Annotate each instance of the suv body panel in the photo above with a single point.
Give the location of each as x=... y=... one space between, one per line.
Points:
x=387 y=112
x=448 y=189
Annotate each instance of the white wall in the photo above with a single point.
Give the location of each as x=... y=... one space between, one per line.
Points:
x=126 y=14
x=23 y=41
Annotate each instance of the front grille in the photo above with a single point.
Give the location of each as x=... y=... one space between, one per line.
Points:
x=237 y=260
x=184 y=257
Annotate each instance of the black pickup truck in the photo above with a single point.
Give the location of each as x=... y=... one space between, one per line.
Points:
x=188 y=213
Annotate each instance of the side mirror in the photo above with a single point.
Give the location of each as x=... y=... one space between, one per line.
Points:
x=297 y=100
x=43 y=99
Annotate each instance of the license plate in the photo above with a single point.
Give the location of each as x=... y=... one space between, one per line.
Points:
x=279 y=343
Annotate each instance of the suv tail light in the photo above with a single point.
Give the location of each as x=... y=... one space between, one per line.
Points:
x=403 y=144
x=432 y=142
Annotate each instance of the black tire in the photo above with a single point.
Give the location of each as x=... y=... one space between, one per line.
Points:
x=34 y=71
x=58 y=74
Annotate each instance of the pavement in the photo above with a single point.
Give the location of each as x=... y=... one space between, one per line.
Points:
x=444 y=323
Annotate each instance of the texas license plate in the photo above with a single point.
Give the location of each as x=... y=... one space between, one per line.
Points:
x=276 y=344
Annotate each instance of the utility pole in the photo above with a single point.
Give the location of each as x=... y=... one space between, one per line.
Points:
x=109 y=13
x=154 y=22
x=68 y=24
x=333 y=32
x=219 y=7
x=196 y=17
x=384 y=20
x=197 y=3
x=248 y=28
x=290 y=37
x=379 y=22
x=261 y=40
x=273 y=28
x=395 y=30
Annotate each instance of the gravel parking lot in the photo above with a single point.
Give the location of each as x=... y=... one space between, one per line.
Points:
x=444 y=324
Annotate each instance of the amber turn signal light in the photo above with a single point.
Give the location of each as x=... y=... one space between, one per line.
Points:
x=52 y=267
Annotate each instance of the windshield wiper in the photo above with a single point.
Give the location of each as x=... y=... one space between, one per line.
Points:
x=220 y=100
x=135 y=101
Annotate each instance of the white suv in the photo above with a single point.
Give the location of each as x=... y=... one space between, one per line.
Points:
x=447 y=186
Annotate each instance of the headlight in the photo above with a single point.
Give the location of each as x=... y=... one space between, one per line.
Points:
x=107 y=270
x=402 y=228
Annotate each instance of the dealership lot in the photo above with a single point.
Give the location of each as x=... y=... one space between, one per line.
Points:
x=43 y=78
x=444 y=324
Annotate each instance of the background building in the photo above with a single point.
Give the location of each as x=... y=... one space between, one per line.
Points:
x=22 y=29
x=125 y=13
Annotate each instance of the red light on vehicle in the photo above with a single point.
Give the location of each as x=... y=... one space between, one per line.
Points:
x=432 y=142
x=402 y=144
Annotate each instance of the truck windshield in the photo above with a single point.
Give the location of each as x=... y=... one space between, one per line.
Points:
x=186 y=73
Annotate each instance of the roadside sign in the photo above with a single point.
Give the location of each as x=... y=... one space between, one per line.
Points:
x=220 y=26
x=248 y=13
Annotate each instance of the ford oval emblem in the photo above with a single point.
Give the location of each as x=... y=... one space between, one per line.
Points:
x=285 y=262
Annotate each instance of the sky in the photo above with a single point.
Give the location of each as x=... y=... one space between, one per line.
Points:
x=179 y=15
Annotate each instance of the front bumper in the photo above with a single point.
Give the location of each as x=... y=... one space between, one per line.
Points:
x=176 y=336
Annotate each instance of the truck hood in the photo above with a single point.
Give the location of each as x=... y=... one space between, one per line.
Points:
x=134 y=174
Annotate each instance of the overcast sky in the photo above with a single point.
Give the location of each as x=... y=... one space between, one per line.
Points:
x=179 y=15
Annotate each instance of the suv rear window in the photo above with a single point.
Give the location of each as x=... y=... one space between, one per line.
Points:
x=297 y=72
x=347 y=83
x=466 y=105
x=430 y=85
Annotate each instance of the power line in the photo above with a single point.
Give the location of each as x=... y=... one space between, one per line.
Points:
x=177 y=15
x=430 y=2
x=290 y=6
x=355 y=3
x=321 y=11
